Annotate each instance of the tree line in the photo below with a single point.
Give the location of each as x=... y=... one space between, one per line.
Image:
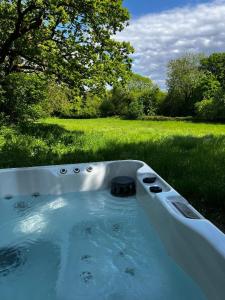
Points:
x=60 y=58
x=196 y=87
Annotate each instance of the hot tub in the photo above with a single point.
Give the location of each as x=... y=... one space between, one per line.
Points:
x=64 y=236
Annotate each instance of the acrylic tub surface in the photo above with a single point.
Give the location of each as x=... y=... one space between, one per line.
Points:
x=64 y=237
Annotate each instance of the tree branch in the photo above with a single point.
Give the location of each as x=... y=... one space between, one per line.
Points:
x=17 y=33
x=19 y=4
x=25 y=68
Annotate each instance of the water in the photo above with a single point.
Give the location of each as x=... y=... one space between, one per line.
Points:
x=87 y=245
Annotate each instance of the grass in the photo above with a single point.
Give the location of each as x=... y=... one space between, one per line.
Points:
x=190 y=156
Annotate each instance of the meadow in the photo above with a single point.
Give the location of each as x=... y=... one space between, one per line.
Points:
x=190 y=156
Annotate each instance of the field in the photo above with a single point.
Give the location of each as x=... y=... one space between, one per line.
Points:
x=190 y=156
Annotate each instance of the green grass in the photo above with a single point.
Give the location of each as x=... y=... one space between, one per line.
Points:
x=190 y=156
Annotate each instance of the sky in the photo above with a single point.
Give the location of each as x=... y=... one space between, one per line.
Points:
x=162 y=30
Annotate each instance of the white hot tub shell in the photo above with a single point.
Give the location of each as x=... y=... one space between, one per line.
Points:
x=191 y=240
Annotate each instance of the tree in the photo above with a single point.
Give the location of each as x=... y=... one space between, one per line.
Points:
x=184 y=78
x=212 y=109
x=212 y=88
x=209 y=86
x=151 y=100
x=137 y=97
x=72 y=40
x=138 y=83
x=215 y=64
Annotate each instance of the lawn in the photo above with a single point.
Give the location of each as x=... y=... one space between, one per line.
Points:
x=190 y=156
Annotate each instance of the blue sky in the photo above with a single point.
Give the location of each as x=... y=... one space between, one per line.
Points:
x=141 y=7
x=162 y=30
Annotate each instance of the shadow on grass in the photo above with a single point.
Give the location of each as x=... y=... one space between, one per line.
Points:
x=51 y=133
x=37 y=144
x=192 y=165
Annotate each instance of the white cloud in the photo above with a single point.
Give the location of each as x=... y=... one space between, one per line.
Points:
x=157 y=38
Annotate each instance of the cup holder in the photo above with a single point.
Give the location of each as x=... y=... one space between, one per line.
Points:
x=150 y=179
x=155 y=189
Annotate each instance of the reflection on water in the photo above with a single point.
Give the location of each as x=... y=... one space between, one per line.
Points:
x=56 y=204
x=32 y=224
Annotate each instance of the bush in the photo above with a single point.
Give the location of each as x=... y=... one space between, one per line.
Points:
x=205 y=109
x=120 y=99
x=135 y=109
x=148 y=100
x=25 y=97
x=163 y=118
x=75 y=110
x=21 y=95
x=107 y=108
x=123 y=103
x=91 y=107
x=152 y=101
x=211 y=109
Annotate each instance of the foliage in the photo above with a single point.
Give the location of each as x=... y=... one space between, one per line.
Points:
x=21 y=95
x=138 y=97
x=107 y=106
x=135 y=108
x=145 y=91
x=119 y=101
x=206 y=109
x=124 y=103
x=196 y=87
x=164 y=118
x=71 y=39
x=76 y=107
x=25 y=96
x=161 y=100
x=209 y=86
x=183 y=81
x=212 y=109
x=91 y=107
x=59 y=99
x=137 y=83
x=152 y=101
x=215 y=64
x=184 y=153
